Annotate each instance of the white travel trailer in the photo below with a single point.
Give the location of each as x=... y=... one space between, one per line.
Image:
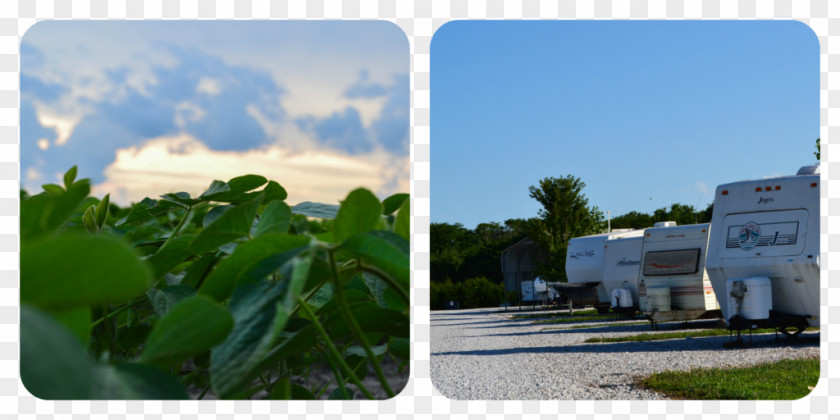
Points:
x=672 y=283
x=764 y=252
x=622 y=257
x=585 y=261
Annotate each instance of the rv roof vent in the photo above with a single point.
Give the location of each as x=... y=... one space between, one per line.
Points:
x=664 y=224
x=809 y=170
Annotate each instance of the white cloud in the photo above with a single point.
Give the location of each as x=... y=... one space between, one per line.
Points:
x=183 y=163
x=43 y=144
x=209 y=86
x=62 y=124
x=187 y=112
x=702 y=187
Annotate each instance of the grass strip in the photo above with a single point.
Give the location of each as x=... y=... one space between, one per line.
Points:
x=564 y=313
x=672 y=335
x=783 y=380
x=576 y=319
x=581 y=327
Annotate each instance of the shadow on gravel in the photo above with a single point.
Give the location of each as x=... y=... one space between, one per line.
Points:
x=684 y=344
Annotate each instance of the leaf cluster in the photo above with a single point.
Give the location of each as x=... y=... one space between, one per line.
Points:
x=232 y=293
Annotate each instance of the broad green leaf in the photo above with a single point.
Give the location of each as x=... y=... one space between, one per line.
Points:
x=44 y=213
x=376 y=287
x=53 y=188
x=386 y=250
x=291 y=344
x=246 y=183
x=136 y=381
x=72 y=270
x=339 y=394
x=264 y=253
x=101 y=211
x=215 y=187
x=274 y=191
x=192 y=326
x=131 y=338
x=233 y=224
x=360 y=212
x=400 y=347
x=70 y=176
x=276 y=217
x=238 y=189
x=371 y=318
x=359 y=351
x=301 y=393
x=198 y=270
x=253 y=307
x=402 y=226
x=300 y=267
x=182 y=199
x=393 y=203
x=77 y=320
x=214 y=214
x=164 y=299
x=53 y=363
x=319 y=210
x=89 y=220
x=138 y=212
x=171 y=254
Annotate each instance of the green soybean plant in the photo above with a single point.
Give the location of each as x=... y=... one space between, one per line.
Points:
x=232 y=294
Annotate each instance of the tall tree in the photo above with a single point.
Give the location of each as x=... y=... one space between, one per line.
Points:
x=565 y=214
x=817 y=153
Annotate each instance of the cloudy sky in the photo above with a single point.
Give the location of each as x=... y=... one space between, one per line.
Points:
x=146 y=108
x=645 y=113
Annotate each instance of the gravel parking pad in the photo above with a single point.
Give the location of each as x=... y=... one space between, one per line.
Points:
x=483 y=354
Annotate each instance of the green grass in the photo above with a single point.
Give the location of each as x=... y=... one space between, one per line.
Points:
x=564 y=313
x=580 y=327
x=783 y=380
x=672 y=335
x=576 y=318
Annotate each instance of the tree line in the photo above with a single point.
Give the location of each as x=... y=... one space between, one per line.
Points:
x=464 y=261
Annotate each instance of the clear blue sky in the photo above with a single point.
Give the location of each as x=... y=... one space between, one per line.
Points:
x=646 y=113
x=146 y=108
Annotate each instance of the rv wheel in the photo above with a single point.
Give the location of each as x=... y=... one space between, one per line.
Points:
x=791 y=331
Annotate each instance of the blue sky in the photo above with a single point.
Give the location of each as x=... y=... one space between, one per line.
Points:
x=146 y=108
x=646 y=113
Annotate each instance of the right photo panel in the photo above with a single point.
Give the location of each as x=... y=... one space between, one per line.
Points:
x=625 y=210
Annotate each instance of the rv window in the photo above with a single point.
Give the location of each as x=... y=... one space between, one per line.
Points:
x=667 y=263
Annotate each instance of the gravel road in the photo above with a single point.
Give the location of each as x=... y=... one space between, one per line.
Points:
x=483 y=354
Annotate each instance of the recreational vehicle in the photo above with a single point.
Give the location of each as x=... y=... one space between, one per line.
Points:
x=622 y=257
x=764 y=252
x=672 y=283
x=585 y=262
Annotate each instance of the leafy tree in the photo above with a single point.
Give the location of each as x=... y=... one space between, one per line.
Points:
x=817 y=153
x=565 y=214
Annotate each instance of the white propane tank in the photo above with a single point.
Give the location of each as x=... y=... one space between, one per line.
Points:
x=757 y=298
x=615 y=298
x=659 y=299
x=625 y=298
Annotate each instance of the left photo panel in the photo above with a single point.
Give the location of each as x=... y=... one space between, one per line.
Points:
x=214 y=210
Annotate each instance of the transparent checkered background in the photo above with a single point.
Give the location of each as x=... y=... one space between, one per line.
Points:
x=419 y=20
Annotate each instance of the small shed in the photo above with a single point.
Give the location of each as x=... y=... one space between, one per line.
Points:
x=519 y=265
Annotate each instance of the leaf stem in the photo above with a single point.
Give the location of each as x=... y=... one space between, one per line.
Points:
x=119 y=311
x=333 y=350
x=354 y=326
x=339 y=380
